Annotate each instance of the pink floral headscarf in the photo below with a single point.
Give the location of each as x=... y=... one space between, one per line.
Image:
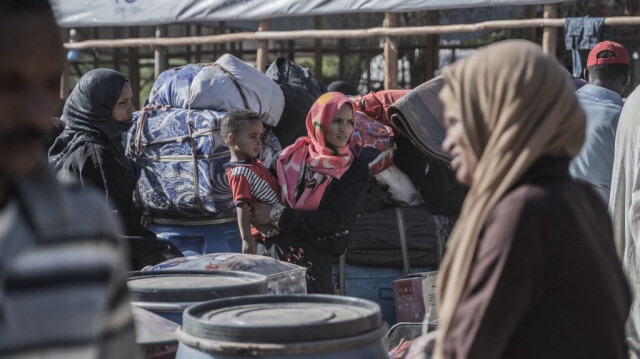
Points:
x=313 y=152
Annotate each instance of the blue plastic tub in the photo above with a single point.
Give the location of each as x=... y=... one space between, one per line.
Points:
x=373 y=283
x=210 y=236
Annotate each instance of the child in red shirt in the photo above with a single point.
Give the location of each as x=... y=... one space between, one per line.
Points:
x=249 y=179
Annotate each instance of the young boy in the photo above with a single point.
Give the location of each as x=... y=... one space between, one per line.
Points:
x=249 y=179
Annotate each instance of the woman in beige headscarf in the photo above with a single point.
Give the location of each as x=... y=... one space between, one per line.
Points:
x=530 y=269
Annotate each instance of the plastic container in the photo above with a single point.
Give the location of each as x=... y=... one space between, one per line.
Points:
x=289 y=326
x=372 y=283
x=168 y=293
x=282 y=277
x=200 y=236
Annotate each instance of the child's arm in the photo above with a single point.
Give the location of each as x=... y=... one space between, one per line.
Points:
x=244 y=224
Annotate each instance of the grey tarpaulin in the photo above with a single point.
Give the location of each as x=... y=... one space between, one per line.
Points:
x=77 y=13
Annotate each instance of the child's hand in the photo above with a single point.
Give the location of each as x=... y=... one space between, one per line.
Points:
x=249 y=247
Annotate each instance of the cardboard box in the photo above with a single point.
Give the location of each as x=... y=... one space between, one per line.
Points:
x=415 y=296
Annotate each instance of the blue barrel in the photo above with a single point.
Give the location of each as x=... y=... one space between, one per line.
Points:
x=168 y=293
x=200 y=236
x=312 y=326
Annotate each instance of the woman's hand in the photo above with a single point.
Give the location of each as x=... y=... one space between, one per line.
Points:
x=260 y=214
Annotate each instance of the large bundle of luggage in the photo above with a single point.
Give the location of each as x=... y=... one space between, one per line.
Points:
x=176 y=139
x=177 y=144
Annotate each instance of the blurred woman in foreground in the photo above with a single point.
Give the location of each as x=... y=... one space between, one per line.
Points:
x=531 y=270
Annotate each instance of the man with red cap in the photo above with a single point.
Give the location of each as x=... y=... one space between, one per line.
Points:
x=607 y=75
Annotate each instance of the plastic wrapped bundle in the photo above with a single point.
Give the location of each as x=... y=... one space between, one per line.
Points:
x=282 y=277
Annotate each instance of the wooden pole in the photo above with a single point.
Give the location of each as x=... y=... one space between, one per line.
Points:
x=117 y=34
x=64 y=77
x=369 y=76
x=187 y=47
x=283 y=48
x=134 y=68
x=390 y=53
x=239 y=50
x=550 y=34
x=198 y=52
x=96 y=62
x=232 y=44
x=342 y=44
x=317 y=24
x=160 y=53
x=292 y=50
x=432 y=62
x=222 y=30
x=262 y=55
x=530 y=33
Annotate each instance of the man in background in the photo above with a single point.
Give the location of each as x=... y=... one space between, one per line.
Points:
x=62 y=285
x=607 y=75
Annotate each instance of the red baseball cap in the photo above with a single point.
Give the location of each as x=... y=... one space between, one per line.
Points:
x=621 y=56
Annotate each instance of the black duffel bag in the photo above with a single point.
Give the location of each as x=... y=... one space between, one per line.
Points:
x=300 y=91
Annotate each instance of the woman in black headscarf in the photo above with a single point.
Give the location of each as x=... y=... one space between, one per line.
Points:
x=96 y=114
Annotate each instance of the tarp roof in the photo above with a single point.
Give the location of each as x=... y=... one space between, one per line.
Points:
x=81 y=13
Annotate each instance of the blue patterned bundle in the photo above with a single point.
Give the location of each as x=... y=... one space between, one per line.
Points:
x=177 y=143
x=181 y=154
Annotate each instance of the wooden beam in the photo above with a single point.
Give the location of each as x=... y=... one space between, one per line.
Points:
x=262 y=54
x=337 y=34
x=550 y=34
x=390 y=53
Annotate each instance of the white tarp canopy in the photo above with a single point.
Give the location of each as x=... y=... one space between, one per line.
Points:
x=83 y=13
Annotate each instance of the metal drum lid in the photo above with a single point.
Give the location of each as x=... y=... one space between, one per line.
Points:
x=193 y=286
x=282 y=319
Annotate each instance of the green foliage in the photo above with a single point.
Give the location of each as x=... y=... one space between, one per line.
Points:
x=307 y=62
x=353 y=67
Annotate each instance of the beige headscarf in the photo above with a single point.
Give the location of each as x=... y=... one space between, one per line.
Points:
x=517 y=104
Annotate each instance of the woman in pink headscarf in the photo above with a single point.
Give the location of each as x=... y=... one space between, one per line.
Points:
x=322 y=184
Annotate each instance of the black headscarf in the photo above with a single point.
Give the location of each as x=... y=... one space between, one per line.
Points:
x=88 y=115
